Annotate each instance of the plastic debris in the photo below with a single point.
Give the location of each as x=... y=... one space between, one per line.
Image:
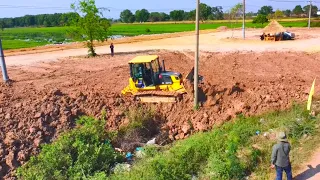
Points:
x=152 y=141
x=118 y=149
x=129 y=156
x=139 y=152
x=257 y=132
x=119 y=168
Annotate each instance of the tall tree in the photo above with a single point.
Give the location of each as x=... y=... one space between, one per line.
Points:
x=278 y=14
x=265 y=10
x=177 y=15
x=217 y=13
x=91 y=26
x=287 y=13
x=164 y=16
x=314 y=10
x=297 y=10
x=236 y=11
x=142 y=15
x=155 y=17
x=204 y=11
x=192 y=15
x=126 y=16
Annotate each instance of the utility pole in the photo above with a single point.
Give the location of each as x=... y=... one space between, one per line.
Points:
x=310 y=8
x=196 y=59
x=244 y=19
x=3 y=65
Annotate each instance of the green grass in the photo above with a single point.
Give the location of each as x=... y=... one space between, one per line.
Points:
x=232 y=151
x=18 y=44
x=59 y=34
x=138 y=29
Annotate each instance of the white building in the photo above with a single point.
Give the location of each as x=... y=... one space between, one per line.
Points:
x=318 y=13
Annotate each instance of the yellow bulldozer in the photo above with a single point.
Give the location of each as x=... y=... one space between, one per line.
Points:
x=151 y=82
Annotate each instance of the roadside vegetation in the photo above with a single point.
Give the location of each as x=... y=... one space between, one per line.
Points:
x=234 y=150
x=81 y=153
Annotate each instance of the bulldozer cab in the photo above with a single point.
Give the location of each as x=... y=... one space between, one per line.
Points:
x=145 y=70
x=149 y=82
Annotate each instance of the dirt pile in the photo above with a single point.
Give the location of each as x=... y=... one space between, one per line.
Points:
x=30 y=122
x=222 y=28
x=45 y=99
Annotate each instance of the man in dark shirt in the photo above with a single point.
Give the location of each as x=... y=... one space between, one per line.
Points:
x=280 y=157
x=112 y=49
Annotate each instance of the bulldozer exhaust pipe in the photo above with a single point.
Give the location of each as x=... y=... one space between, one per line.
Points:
x=164 y=66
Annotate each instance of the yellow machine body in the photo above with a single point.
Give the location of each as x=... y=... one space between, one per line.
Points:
x=150 y=82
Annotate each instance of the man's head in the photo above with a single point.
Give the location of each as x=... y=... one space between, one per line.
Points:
x=282 y=137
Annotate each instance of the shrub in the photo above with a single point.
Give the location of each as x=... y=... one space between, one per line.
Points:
x=77 y=154
x=315 y=24
x=148 y=30
x=260 y=19
x=227 y=152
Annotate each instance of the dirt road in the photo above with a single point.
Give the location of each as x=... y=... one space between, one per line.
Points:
x=307 y=40
x=311 y=170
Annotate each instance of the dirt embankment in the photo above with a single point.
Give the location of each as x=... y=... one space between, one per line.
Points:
x=44 y=100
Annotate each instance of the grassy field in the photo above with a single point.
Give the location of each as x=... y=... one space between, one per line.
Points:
x=14 y=38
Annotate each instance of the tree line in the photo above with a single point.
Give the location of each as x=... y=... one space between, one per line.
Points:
x=143 y=15
x=213 y=13
x=266 y=13
x=298 y=11
x=46 y=20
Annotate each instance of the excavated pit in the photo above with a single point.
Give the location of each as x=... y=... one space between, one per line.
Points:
x=45 y=99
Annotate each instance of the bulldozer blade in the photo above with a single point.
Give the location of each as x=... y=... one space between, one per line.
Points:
x=154 y=99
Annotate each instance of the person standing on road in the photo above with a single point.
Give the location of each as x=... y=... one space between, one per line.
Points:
x=112 y=49
x=280 y=157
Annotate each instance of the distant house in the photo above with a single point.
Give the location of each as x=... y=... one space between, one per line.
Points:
x=318 y=13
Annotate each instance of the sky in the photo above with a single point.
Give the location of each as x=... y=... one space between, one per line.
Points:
x=16 y=8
